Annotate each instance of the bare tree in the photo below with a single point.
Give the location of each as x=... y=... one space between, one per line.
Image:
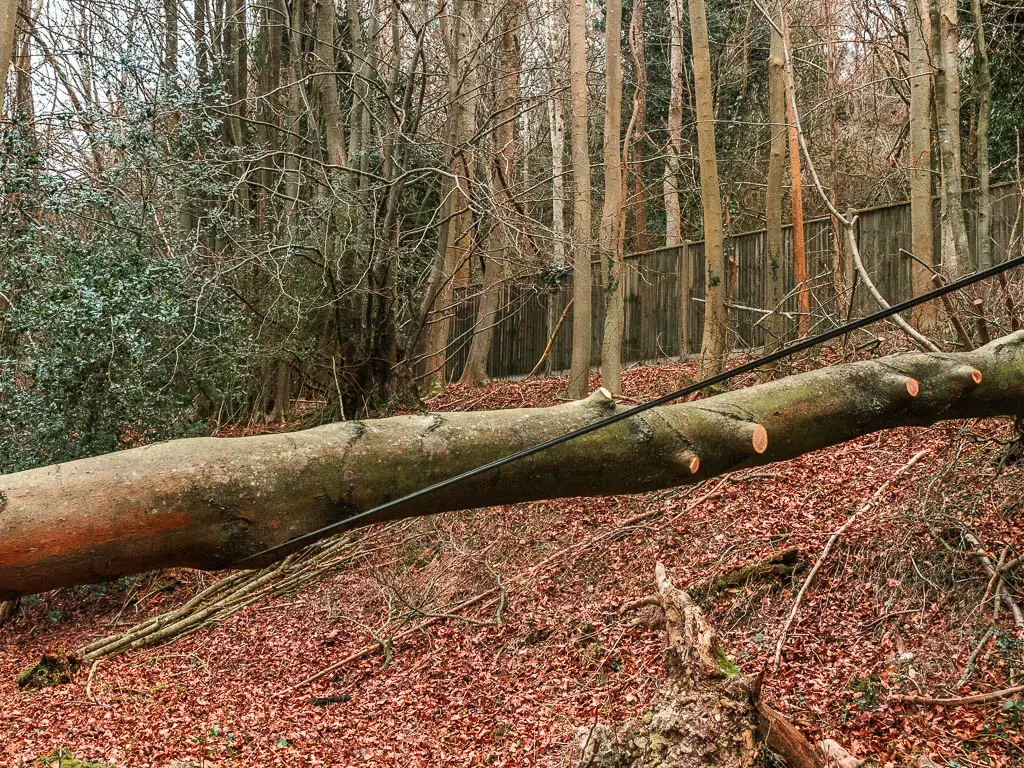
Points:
x=674 y=126
x=555 y=102
x=461 y=233
x=495 y=257
x=634 y=169
x=716 y=322
x=984 y=86
x=919 y=164
x=946 y=80
x=582 y=235
x=8 y=26
x=796 y=199
x=611 y=216
x=774 y=268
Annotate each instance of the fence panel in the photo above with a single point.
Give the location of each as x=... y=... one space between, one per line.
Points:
x=654 y=288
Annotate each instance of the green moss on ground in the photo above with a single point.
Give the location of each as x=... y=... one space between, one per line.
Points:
x=63 y=758
x=52 y=669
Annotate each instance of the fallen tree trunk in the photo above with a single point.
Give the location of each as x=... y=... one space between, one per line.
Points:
x=208 y=502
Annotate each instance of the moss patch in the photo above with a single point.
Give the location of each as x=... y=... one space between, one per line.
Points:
x=727 y=665
x=62 y=758
x=52 y=669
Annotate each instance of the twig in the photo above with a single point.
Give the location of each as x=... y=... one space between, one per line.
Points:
x=918 y=338
x=973 y=658
x=489 y=597
x=981 y=698
x=88 y=683
x=954 y=318
x=990 y=569
x=1012 y=565
x=554 y=334
x=1010 y=307
x=828 y=548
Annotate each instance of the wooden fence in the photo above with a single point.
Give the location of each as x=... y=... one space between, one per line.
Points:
x=664 y=290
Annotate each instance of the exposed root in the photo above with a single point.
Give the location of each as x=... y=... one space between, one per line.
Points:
x=708 y=713
x=9 y=609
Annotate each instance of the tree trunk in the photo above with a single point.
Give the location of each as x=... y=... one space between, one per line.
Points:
x=635 y=171
x=714 y=345
x=984 y=202
x=330 y=100
x=670 y=187
x=474 y=373
x=554 y=43
x=581 y=227
x=24 y=104
x=496 y=258
x=8 y=25
x=208 y=502
x=796 y=199
x=611 y=216
x=461 y=238
x=775 y=290
x=359 y=82
x=946 y=79
x=919 y=170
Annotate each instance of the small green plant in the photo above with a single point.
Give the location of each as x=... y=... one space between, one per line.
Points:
x=1014 y=708
x=866 y=692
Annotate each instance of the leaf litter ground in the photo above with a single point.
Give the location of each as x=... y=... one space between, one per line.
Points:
x=892 y=611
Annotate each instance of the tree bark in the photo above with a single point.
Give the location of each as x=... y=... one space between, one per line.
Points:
x=330 y=99
x=716 y=323
x=8 y=25
x=635 y=169
x=674 y=125
x=208 y=502
x=581 y=226
x=946 y=80
x=984 y=75
x=919 y=165
x=461 y=242
x=496 y=256
x=775 y=290
x=554 y=43
x=796 y=199
x=611 y=215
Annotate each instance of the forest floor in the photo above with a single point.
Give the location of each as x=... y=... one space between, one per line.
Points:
x=892 y=611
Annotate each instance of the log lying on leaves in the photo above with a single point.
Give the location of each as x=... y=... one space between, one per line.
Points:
x=208 y=502
x=779 y=565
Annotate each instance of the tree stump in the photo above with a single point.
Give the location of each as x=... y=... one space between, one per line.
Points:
x=707 y=713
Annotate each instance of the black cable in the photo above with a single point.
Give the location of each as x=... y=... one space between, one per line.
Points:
x=800 y=346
